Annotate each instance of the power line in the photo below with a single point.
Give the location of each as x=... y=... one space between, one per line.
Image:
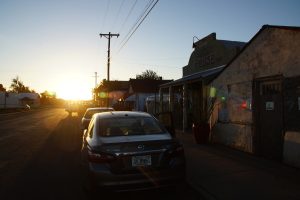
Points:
x=118 y=14
x=127 y=17
x=155 y=59
x=138 y=20
x=152 y=65
x=138 y=26
x=130 y=11
x=105 y=14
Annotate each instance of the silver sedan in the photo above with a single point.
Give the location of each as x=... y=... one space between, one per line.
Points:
x=126 y=151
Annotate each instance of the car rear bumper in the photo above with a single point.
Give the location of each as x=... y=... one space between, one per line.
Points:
x=140 y=181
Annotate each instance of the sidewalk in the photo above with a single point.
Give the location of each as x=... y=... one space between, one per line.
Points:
x=219 y=172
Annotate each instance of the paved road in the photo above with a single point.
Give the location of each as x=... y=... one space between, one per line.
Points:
x=39 y=159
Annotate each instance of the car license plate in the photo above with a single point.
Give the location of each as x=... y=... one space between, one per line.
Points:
x=138 y=161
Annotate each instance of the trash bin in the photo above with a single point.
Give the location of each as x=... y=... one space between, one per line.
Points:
x=201 y=132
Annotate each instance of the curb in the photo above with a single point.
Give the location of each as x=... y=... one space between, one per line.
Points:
x=23 y=111
x=12 y=113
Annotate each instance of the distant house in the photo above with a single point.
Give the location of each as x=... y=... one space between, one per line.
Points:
x=140 y=89
x=110 y=92
x=257 y=96
x=32 y=99
x=19 y=100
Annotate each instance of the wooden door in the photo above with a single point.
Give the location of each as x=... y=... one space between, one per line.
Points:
x=270 y=118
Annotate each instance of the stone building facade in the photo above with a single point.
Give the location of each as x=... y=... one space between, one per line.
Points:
x=257 y=103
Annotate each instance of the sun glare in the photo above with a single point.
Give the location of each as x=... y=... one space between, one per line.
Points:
x=74 y=92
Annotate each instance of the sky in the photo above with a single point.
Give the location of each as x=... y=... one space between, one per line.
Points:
x=54 y=45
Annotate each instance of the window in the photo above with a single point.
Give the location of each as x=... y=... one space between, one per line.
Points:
x=91 y=131
x=91 y=128
x=269 y=88
x=292 y=103
x=124 y=126
x=89 y=114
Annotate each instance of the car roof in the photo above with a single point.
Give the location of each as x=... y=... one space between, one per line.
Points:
x=120 y=114
x=99 y=108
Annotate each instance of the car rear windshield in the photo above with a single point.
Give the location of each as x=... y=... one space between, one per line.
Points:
x=124 y=126
x=89 y=114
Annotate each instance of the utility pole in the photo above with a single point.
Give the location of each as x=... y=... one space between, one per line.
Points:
x=96 y=79
x=108 y=36
x=94 y=90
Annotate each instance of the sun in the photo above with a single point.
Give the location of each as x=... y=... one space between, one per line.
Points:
x=74 y=91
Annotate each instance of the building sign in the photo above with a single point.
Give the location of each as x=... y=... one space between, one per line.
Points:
x=269 y=105
x=205 y=60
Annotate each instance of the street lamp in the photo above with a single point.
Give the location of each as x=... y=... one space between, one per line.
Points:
x=194 y=45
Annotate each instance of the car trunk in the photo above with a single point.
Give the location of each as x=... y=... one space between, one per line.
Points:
x=137 y=156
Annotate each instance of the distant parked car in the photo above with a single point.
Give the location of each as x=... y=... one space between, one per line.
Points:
x=72 y=107
x=89 y=114
x=125 y=151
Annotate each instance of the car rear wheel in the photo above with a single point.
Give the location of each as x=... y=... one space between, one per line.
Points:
x=88 y=186
x=180 y=189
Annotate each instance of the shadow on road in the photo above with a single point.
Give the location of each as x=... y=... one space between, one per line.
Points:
x=53 y=172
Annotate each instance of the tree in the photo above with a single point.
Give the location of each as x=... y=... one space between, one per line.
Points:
x=48 y=95
x=2 y=89
x=48 y=98
x=18 y=86
x=148 y=74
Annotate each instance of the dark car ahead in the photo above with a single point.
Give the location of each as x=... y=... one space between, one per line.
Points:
x=89 y=114
x=125 y=151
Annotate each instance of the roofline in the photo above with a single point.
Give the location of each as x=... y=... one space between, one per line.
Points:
x=281 y=27
x=177 y=82
x=251 y=40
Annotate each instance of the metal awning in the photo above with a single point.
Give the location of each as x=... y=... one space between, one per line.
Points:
x=205 y=75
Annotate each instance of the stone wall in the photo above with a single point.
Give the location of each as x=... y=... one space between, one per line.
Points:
x=274 y=51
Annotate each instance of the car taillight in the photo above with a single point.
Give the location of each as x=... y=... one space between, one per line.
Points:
x=177 y=151
x=100 y=157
